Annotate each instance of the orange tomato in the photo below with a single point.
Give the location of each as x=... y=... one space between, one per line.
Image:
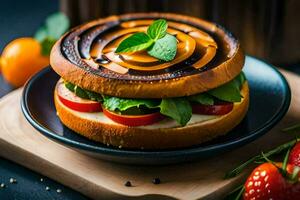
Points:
x=20 y=59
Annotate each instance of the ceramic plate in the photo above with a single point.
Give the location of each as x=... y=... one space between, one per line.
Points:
x=269 y=101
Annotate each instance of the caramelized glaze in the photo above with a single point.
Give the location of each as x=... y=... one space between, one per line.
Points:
x=93 y=47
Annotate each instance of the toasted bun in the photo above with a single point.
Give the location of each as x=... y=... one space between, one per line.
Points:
x=71 y=59
x=99 y=128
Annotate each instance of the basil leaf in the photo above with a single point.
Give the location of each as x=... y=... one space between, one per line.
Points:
x=47 y=45
x=82 y=93
x=178 y=109
x=70 y=86
x=41 y=34
x=94 y=96
x=57 y=24
x=136 y=42
x=202 y=98
x=241 y=78
x=122 y=104
x=228 y=92
x=164 y=48
x=157 y=29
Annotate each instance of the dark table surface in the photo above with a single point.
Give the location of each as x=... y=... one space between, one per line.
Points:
x=19 y=18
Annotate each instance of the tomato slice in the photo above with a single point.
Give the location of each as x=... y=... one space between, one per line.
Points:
x=74 y=102
x=134 y=120
x=219 y=109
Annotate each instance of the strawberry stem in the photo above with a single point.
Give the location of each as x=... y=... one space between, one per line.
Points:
x=295 y=174
x=236 y=193
x=285 y=161
x=239 y=196
x=267 y=159
x=259 y=158
x=292 y=129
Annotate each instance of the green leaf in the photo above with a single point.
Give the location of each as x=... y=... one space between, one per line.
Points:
x=157 y=29
x=178 y=109
x=69 y=86
x=47 y=45
x=57 y=24
x=272 y=152
x=41 y=34
x=164 y=48
x=136 y=42
x=241 y=78
x=94 y=96
x=82 y=93
x=202 y=98
x=229 y=91
x=122 y=104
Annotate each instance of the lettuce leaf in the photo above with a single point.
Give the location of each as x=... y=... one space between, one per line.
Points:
x=122 y=104
x=179 y=109
x=202 y=98
x=230 y=91
x=82 y=93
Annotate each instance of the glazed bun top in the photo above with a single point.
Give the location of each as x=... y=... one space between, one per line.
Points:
x=207 y=57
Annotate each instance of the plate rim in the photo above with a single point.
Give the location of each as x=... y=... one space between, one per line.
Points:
x=162 y=153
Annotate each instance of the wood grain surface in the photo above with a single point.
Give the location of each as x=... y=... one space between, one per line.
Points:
x=98 y=179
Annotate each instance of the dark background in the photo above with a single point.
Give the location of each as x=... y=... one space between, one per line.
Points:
x=268 y=29
x=21 y=18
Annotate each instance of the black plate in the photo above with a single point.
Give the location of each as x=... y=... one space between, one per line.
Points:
x=269 y=101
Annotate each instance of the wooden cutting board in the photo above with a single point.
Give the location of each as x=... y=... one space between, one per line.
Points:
x=98 y=179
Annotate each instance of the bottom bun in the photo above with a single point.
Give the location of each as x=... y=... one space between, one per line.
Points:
x=162 y=135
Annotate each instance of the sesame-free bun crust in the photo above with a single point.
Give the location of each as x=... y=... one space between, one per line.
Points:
x=155 y=138
x=229 y=64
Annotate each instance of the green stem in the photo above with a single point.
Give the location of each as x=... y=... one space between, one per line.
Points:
x=258 y=158
x=239 y=196
x=292 y=129
x=236 y=193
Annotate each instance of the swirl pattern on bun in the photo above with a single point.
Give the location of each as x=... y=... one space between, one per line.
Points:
x=207 y=56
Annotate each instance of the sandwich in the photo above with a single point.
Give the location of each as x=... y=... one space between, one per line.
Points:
x=150 y=81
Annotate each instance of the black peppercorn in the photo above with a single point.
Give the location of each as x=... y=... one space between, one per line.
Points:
x=156 y=181
x=128 y=184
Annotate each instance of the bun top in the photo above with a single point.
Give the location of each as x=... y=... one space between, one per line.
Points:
x=207 y=57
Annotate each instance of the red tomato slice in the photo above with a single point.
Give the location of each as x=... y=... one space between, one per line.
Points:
x=74 y=102
x=219 y=109
x=134 y=120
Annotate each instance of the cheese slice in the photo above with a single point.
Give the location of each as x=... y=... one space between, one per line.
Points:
x=165 y=123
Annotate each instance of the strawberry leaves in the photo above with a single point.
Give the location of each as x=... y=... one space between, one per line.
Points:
x=259 y=158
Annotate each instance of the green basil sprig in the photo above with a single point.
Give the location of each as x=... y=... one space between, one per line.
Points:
x=156 y=41
x=55 y=26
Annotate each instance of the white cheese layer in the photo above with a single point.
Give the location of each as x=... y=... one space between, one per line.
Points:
x=165 y=123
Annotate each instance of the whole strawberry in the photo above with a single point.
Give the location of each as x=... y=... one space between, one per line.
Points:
x=265 y=183
x=270 y=181
x=294 y=157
